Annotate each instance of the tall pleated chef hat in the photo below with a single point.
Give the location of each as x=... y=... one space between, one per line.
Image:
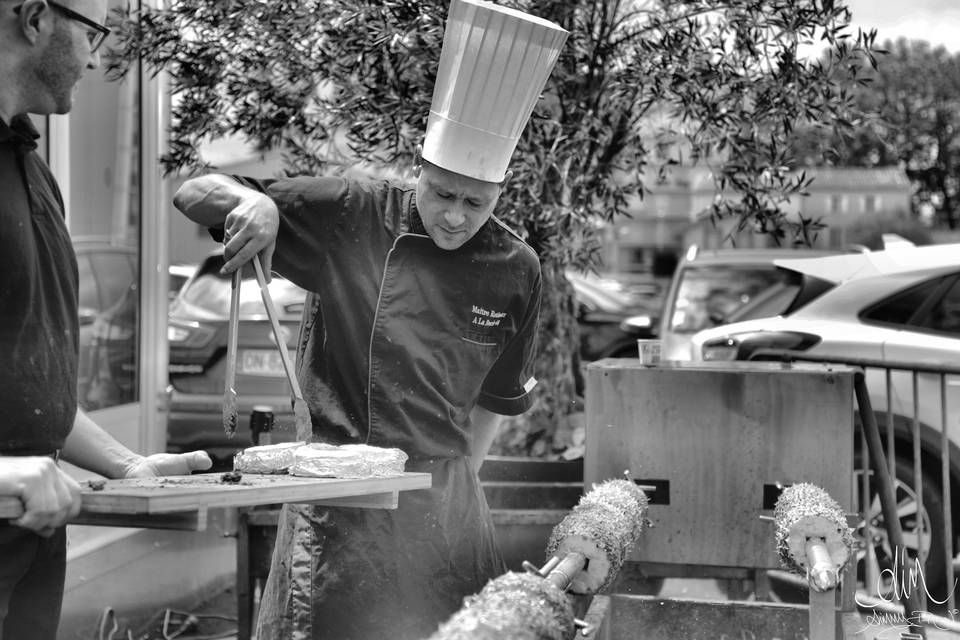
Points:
x=494 y=64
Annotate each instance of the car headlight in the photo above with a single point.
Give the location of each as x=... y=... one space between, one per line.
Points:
x=635 y=323
x=189 y=334
x=725 y=349
x=177 y=334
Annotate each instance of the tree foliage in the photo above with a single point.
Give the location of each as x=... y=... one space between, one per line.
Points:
x=914 y=106
x=639 y=86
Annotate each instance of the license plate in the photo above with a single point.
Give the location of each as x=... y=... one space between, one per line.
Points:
x=260 y=362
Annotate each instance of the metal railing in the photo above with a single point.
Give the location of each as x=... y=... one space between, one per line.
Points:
x=919 y=423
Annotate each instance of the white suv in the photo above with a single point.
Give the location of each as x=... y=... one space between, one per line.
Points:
x=717 y=286
x=899 y=307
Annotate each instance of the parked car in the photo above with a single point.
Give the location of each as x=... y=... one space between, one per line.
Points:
x=711 y=287
x=610 y=317
x=900 y=305
x=107 y=369
x=109 y=307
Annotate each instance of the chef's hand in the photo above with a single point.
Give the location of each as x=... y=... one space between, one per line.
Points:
x=169 y=464
x=250 y=229
x=50 y=497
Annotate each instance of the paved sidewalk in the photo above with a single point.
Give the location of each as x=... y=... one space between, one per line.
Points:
x=217 y=618
x=896 y=630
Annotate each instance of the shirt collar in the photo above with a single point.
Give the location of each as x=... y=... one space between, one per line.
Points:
x=416 y=223
x=20 y=133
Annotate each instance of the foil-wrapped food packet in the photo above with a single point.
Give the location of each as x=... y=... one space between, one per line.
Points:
x=268 y=458
x=347 y=461
x=321 y=460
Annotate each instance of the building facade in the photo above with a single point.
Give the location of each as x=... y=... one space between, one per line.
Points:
x=675 y=214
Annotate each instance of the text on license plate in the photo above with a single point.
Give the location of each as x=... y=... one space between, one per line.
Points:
x=260 y=362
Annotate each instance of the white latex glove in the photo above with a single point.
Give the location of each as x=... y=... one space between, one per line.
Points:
x=169 y=464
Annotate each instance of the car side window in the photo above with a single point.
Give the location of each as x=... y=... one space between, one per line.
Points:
x=945 y=314
x=900 y=308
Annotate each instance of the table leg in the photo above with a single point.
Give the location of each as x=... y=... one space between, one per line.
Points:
x=244 y=582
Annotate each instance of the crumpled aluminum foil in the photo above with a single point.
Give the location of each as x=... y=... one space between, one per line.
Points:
x=268 y=458
x=321 y=460
x=347 y=461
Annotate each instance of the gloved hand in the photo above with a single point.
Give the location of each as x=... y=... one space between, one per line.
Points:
x=50 y=497
x=169 y=464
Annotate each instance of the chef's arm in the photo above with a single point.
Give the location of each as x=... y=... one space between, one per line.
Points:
x=90 y=447
x=208 y=199
x=249 y=219
x=484 y=426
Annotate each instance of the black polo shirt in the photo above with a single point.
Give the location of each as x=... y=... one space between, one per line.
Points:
x=38 y=300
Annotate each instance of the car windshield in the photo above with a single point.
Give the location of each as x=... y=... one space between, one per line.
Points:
x=211 y=291
x=709 y=295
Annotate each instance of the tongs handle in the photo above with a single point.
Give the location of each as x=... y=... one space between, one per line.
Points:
x=281 y=344
x=230 y=415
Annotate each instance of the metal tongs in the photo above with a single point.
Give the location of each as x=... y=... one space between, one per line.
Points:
x=230 y=417
x=301 y=413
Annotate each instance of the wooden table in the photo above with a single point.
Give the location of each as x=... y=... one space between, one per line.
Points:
x=181 y=502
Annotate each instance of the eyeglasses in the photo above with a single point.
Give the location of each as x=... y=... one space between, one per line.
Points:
x=96 y=33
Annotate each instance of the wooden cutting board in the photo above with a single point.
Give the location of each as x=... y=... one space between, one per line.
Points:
x=182 y=501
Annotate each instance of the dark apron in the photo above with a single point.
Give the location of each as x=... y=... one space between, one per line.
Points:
x=366 y=574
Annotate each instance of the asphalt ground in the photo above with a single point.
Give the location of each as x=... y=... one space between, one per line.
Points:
x=876 y=625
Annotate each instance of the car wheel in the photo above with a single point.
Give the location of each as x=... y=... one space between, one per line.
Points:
x=880 y=566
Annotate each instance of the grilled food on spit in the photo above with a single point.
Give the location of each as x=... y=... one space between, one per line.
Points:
x=588 y=548
x=519 y=606
x=812 y=535
x=602 y=527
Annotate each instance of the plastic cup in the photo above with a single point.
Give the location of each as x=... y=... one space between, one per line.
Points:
x=648 y=352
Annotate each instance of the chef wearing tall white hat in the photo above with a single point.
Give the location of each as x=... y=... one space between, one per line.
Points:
x=419 y=334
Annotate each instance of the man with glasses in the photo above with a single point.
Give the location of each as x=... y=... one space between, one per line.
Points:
x=96 y=32
x=44 y=49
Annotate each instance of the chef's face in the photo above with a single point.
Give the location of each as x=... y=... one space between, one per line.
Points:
x=452 y=206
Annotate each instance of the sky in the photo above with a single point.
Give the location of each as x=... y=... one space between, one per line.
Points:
x=936 y=21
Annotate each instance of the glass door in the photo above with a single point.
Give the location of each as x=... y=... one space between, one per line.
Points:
x=104 y=154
